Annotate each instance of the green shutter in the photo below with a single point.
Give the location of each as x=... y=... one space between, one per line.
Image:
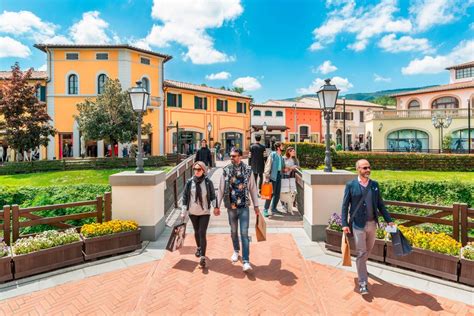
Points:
x=180 y=100
x=226 y=106
x=168 y=99
x=43 y=93
x=196 y=102
x=205 y=103
x=245 y=108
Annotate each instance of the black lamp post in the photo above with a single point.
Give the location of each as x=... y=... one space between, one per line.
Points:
x=327 y=96
x=139 y=99
x=264 y=127
x=441 y=121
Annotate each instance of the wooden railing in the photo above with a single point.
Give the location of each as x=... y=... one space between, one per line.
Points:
x=300 y=190
x=175 y=182
x=102 y=212
x=458 y=211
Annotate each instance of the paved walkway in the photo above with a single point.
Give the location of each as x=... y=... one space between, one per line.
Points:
x=282 y=283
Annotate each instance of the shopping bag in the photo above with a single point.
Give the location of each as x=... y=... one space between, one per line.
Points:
x=401 y=246
x=172 y=217
x=177 y=236
x=266 y=191
x=288 y=185
x=261 y=228
x=346 y=251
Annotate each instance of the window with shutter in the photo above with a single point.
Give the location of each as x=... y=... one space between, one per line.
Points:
x=171 y=100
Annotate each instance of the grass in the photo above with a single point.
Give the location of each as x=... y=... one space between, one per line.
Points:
x=384 y=175
x=65 y=177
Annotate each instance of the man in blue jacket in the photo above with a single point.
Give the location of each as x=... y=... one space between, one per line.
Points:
x=363 y=196
x=273 y=170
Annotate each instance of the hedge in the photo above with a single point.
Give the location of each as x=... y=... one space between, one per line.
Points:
x=310 y=155
x=78 y=164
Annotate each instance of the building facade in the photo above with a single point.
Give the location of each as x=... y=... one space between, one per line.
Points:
x=425 y=118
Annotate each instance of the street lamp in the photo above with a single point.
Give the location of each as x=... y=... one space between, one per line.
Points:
x=264 y=127
x=209 y=129
x=441 y=120
x=139 y=99
x=327 y=97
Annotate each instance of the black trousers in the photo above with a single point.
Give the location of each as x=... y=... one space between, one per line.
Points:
x=200 y=223
x=260 y=180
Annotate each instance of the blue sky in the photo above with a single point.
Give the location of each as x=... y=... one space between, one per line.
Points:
x=274 y=49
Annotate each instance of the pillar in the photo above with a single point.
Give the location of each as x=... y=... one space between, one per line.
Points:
x=76 y=143
x=100 y=149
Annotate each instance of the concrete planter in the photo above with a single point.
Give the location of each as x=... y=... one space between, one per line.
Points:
x=333 y=242
x=425 y=261
x=47 y=259
x=467 y=272
x=102 y=246
x=6 y=268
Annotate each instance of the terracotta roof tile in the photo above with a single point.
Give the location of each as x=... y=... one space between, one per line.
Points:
x=470 y=63
x=5 y=75
x=196 y=87
x=444 y=87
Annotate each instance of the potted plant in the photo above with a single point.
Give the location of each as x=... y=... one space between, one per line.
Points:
x=5 y=263
x=433 y=253
x=112 y=237
x=467 y=264
x=46 y=251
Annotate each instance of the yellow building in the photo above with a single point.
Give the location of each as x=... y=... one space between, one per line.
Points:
x=196 y=107
x=77 y=72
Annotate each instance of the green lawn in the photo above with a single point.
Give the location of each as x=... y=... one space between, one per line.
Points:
x=383 y=175
x=64 y=177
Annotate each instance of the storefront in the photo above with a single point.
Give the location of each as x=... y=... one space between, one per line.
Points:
x=189 y=142
x=408 y=140
x=230 y=140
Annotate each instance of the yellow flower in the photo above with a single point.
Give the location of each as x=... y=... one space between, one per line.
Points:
x=107 y=228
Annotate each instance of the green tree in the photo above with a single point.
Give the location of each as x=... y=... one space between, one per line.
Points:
x=110 y=116
x=238 y=89
x=447 y=141
x=385 y=100
x=25 y=118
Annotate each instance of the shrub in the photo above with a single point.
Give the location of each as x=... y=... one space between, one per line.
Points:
x=3 y=249
x=310 y=155
x=45 y=240
x=107 y=228
x=335 y=223
x=468 y=251
x=436 y=242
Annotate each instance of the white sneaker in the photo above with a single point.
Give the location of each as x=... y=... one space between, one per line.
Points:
x=247 y=267
x=235 y=256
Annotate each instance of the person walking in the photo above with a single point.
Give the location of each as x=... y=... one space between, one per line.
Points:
x=273 y=170
x=289 y=178
x=198 y=196
x=362 y=199
x=257 y=153
x=237 y=188
x=204 y=154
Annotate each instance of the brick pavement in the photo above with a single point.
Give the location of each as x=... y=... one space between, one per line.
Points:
x=282 y=282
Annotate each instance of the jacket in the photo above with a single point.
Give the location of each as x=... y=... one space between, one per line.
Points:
x=224 y=187
x=352 y=196
x=271 y=167
x=211 y=193
x=204 y=155
x=257 y=160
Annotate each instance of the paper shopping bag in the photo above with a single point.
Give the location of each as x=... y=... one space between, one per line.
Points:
x=266 y=191
x=177 y=236
x=261 y=228
x=346 y=251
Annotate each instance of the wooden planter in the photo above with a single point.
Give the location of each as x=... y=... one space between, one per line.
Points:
x=102 y=246
x=6 y=268
x=467 y=272
x=47 y=259
x=333 y=242
x=429 y=262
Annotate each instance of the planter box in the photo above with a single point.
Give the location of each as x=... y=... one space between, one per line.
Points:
x=47 y=259
x=6 y=268
x=467 y=272
x=102 y=246
x=333 y=242
x=429 y=262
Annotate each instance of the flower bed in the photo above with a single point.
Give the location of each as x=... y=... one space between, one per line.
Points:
x=467 y=264
x=5 y=263
x=110 y=238
x=47 y=251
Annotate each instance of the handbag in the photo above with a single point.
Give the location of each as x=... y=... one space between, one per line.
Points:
x=401 y=246
x=177 y=236
x=261 y=228
x=172 y=217
x=267 y=191
x=346 y=251
x=351 y=219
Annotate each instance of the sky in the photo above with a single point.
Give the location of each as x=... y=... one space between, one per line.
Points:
x=274 y=49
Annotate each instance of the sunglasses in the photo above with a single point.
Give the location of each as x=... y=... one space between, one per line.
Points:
x=197 y=169
x=234 y=156
x=366 y=168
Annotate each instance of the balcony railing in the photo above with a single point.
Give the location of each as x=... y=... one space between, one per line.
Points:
x=416 y=114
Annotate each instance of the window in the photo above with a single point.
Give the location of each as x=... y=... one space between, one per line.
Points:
x=279 y=114
x=101 y=83
x=465 y=73
x=338 y=137
x=41 y=93
x=72 y=56
x=200 y=103
x=241 y=107
x=174 y=100
x=268 y=113
x=72 y=84
x=340 y=116
x=414 y=105
x=102 y=56
x=222 y=105
x=361 y=116
x=145 y=61
x=460 y=140
x=257 y=113
x=445 y=103
x=409 y=140
x=304 y=133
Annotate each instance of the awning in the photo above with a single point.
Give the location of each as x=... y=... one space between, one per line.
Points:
x=270 y=127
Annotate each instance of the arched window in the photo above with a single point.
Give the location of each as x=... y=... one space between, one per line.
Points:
x=414 y=105
x=445 y=103
x=279 y=114
x=257 y=113
x=268 y=113
x=101 y=83
x=409 y=140
x=338 y=137
x=460 y=140
x=72 y=84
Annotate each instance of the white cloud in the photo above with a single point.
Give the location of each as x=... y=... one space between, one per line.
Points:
x=187 y=22
x=10 y=47
x=378 y=78
x=24 y=22
x=223 y=75
x=90 y=30
x=342 y=84
x=364 y=22
x=326 y=67
x=247 y=83
x=390 y=43
x=428 y=13
x=43 y=68
x=463 y=52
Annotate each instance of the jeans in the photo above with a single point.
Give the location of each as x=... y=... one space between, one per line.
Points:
x=260 y=180
x=276 y=193
x=200 y=224
x=364 y=242
x=242 y=215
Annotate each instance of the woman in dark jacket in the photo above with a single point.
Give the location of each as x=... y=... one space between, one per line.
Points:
x=204 y=154
x=198 y=198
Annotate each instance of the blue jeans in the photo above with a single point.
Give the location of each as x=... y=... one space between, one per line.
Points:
x=242 y=215
x=276 y=185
